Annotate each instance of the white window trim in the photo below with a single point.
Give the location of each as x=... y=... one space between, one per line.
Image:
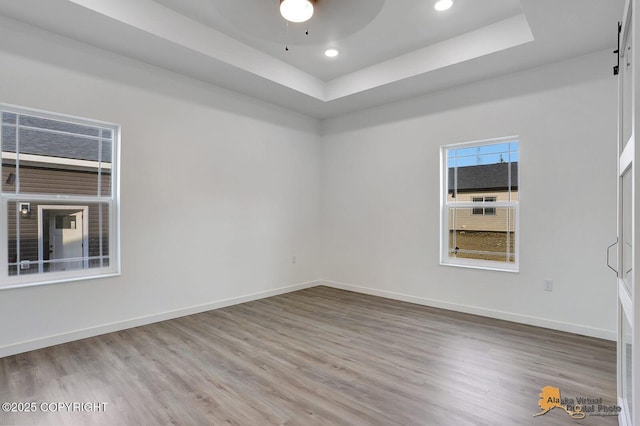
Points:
x=445 y=260
x=29 y=280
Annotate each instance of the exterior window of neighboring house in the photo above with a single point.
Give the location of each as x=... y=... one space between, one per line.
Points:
x=59 y=200
x=479 y=216
x=484 y=211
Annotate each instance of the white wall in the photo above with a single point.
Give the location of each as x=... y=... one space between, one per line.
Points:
x=219 y=191
x=380 y=196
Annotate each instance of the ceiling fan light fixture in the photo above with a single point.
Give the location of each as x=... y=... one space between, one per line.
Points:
x=443 y=5
x=296 y=10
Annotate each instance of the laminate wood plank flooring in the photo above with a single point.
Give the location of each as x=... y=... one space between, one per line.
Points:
x=319 y=356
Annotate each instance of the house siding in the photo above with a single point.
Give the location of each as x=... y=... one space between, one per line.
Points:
x=43 y=180
x=466 y=221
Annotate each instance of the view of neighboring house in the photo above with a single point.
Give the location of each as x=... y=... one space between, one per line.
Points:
x=481 y=227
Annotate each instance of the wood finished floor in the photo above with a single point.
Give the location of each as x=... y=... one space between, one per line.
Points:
x=319 y=356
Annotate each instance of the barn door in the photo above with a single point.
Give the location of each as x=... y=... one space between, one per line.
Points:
x=628 y=354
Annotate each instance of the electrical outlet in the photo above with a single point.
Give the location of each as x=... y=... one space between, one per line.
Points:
x=293 y=259
x=548 y=285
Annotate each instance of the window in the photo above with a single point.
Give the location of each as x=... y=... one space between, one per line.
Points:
x=484 y=211
x=59 y=200
x=479 y=216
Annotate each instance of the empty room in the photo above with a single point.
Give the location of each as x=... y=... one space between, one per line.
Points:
x=318 y=212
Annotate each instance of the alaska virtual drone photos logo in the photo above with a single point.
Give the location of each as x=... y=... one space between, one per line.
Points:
x=576 y=408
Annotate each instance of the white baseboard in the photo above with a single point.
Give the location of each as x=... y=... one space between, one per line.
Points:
x=136 y=322
x=508 y=316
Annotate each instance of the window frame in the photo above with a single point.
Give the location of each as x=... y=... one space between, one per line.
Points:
x=111 y=201
x=446 y=206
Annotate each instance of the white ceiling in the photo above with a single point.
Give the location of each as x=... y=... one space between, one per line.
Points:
x=389 y=50
x=365 y=31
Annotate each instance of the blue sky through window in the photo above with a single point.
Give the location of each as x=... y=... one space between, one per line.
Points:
x=502 y=152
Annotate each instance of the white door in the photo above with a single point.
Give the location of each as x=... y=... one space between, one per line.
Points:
x=63 y=236
x=628 y=339
x=66 y=239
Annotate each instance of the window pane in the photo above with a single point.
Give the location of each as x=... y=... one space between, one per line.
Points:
x=492 y=167
x=497 y=153
x=55 y=157
x=98 y=235
x=482 y=237
x=12 y=238
x=107 y=144
x=105 y=165
x=60 y=145
x=627 y=363
x=627 y=230
x=491 y=177
x=8 y=156
x=23 y=239
x=8 y=138
x=56 y=125
x=9 y=118
x=44 y=180
x=49 y=236
x=8 y=177
x=626 y=76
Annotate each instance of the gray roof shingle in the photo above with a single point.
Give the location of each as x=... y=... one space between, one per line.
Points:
x=489 y=177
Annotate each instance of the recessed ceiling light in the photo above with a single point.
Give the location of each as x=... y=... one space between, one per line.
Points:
x=331 y=53
x=443 y=5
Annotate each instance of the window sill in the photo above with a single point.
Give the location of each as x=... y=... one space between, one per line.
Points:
x=56 y=278
x=485 y=265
